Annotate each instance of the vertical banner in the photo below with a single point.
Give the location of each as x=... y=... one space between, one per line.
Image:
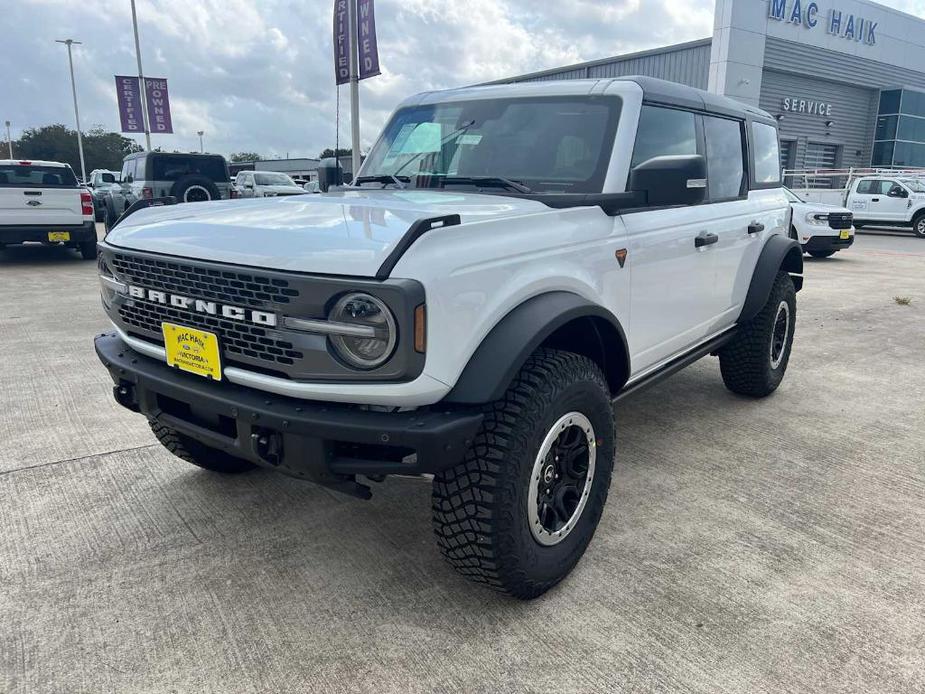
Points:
x=341 y=42
x=158 y=105
x=129 y=97
x=366 y=39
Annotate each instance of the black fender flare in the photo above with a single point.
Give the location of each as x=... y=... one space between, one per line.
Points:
x=779 y=253
x=496 y=361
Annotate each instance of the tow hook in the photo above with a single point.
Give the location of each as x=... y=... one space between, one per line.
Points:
x=268 y=446
x=124 y=393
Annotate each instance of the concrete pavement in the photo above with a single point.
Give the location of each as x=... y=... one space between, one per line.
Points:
x=746 y=547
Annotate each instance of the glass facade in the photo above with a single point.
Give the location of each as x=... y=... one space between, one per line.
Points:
x=899 y=139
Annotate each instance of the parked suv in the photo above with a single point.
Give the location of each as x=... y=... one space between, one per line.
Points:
x=266 y=184
x=822 y=230
x=101 y=182
x=514 y=259
x=149 y=175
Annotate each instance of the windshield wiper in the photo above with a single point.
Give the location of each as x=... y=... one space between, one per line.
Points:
x=384 y=179
x=488 y=181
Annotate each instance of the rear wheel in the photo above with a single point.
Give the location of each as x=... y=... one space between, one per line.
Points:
x=918 y=226
x=821 y=254
x=519 y=512
x=88 y=250
x=755 y=361
x=198 y=454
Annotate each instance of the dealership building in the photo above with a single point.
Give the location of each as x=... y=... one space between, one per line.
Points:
x=844 y=78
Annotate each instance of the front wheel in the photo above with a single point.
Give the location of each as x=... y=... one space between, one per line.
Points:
x=519 y=512
x=755 y=361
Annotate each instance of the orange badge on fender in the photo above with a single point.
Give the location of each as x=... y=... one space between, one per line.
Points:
x=621 y=256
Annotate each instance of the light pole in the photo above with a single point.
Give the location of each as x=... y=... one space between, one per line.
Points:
x=80 y=141
x=9 y=140
x=200 y=132
x=354 y=88
x=141 y=81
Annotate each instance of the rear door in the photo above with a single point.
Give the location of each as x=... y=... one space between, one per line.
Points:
x=32 y=195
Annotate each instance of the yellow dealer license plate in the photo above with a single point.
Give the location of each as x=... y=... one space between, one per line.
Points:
x=59 y=236
x=845 y=234
x=192 y=350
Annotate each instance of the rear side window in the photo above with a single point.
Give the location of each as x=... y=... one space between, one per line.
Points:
x=869 y=187
x=173 y=168
x=766 y=152
x=725 y=161
x=664 y=131
x=19 y=176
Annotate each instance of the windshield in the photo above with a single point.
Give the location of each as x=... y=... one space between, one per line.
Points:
x=547 y=144
x=913 y=184
x=273 y=179
x=792 y=197
x=25 y=176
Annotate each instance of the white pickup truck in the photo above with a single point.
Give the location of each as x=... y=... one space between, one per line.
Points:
x=888 y=200
x=41 y=201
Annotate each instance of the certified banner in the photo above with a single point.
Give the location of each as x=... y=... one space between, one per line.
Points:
x=366 y=39
x=129 y=97
x=158 y=105
x=342 y=43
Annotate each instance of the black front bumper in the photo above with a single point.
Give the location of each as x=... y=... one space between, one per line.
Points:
x=80 y=233
x=327 y=443
x=827 y=243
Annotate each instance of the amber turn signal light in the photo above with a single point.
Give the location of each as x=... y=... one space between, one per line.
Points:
x=420 y=329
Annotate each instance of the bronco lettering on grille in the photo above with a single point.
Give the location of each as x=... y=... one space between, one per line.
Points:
x=211 y=308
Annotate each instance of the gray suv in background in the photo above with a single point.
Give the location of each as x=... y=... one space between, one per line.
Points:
x=148 y=175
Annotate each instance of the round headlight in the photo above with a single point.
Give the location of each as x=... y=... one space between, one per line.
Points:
x=370 y=347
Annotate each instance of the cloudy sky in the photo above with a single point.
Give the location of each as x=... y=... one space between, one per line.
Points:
x=257 y=75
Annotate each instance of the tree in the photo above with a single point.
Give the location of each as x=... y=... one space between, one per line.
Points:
x=102 y=150
x=238 y=157
x=328 y=152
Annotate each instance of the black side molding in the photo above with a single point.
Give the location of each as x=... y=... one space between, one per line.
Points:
x=779 y=254
x=415 y=231
x=142 y=204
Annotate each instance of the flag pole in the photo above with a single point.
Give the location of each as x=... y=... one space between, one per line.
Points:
x=354 y=85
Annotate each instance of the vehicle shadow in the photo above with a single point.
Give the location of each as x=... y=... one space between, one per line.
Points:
x=38 y=254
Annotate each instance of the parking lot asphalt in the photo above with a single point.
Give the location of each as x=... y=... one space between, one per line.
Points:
x=747 y=546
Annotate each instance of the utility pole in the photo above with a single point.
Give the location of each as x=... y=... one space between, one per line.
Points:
x=9 y=140
x=80 y=141
x=200 y=133
x=354 y=85
x=141 y=81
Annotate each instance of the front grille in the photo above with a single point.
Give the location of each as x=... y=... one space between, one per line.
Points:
x=235 y=338
x=840 y=220
x=246 y=289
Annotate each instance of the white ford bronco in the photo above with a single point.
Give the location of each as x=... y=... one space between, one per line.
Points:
x=509 y=261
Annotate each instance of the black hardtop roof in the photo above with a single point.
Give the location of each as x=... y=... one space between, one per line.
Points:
x=674 y=94
x=197 y=155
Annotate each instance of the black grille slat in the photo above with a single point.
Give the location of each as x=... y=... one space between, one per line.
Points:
x=239 y=288
x=840 y=220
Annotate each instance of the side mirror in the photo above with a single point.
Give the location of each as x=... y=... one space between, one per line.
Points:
x=671 y=180
x=330 y=174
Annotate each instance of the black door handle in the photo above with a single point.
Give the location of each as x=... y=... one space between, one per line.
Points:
x=705 y=238
x=875 y=200
x=755 y=228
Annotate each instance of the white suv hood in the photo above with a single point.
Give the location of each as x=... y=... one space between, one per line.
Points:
x=346 y=233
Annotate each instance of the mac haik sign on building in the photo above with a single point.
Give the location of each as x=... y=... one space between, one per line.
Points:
x=157 y=98
x=833 y=21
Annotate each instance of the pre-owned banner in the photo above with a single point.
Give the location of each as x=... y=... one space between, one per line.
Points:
x=342 y=42
x=156 y=95
x=367 y=44
x=129 y=98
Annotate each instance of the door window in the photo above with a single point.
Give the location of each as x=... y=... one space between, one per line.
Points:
x=664 y=131
x=725 y=167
